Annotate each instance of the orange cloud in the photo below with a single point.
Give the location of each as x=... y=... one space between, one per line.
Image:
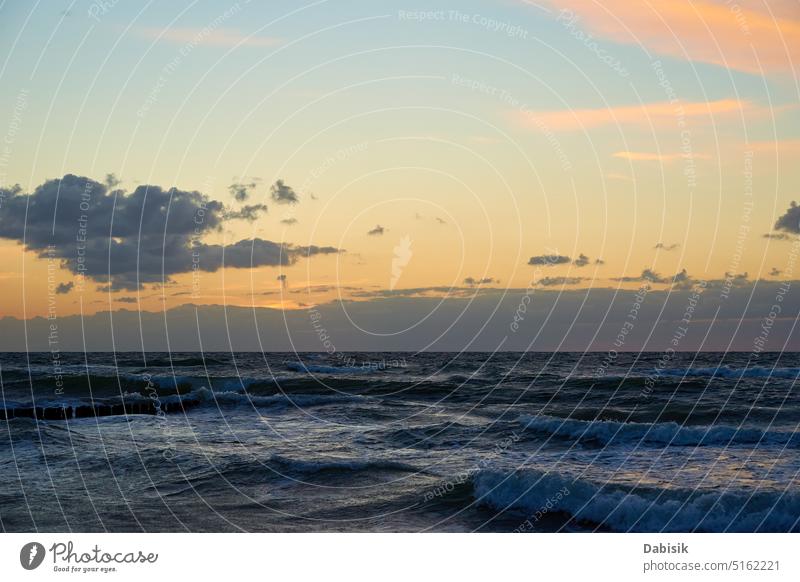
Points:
x=747 y=35
x=658 y=114
x=226 y=37
x=653 y=157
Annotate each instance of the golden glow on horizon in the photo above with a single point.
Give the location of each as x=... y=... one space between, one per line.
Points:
x=462 y=161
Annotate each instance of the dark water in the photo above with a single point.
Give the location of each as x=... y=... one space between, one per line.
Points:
x=400 y=442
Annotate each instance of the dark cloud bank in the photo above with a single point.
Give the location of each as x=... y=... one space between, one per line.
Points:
x=124 y=240
x=573 y=320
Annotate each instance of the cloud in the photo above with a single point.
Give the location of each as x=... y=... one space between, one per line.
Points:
x=283 y=194
x=747 y=36
x=248 y=212
x=654 y=157
x=256 y=252
x=581 y=261
x=548 y=260
x=728 y=282
x=308 y=289
x=651 y=276
x=559 y=281
x=733 y=280
x=471 y=281
x=127 y=239
x=377 y=231
x=790 y=222
x=111 y=181
x=571 y=319
x=241 y=192
x=289 y=221
x=682 y=277
x=777 y=236
x=648 y=275
x=64 y=288
x=434 y=292
x=666 y=247
x=223 y=37
x=662 y=114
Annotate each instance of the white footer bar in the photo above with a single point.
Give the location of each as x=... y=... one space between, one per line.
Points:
x=401 y=557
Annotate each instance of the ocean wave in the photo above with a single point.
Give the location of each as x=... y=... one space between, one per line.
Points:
x=204 y=395
x=729 y=372
x=248 y=470
x=625 y=509
x=682 y=413
x=632 y=382
x=667 y=433
x=448 y=434
x=187 y=361
x=334 y=464
x=320 y=369
x=137 y=403
x=313 y=379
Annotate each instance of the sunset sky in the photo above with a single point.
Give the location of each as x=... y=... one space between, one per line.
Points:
x=373 y=149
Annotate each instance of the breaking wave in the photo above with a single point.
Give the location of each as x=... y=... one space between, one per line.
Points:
x=623 y=509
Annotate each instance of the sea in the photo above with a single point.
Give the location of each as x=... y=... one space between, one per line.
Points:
x=399 y=442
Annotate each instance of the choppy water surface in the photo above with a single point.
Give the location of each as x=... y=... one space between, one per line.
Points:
x=399 y=442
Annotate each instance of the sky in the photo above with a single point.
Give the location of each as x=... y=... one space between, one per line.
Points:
x=289 y=155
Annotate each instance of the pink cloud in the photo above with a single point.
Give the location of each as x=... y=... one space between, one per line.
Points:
x=661 y=114
x=747 y=35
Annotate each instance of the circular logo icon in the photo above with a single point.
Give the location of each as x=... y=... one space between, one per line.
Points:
x=31 y=555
